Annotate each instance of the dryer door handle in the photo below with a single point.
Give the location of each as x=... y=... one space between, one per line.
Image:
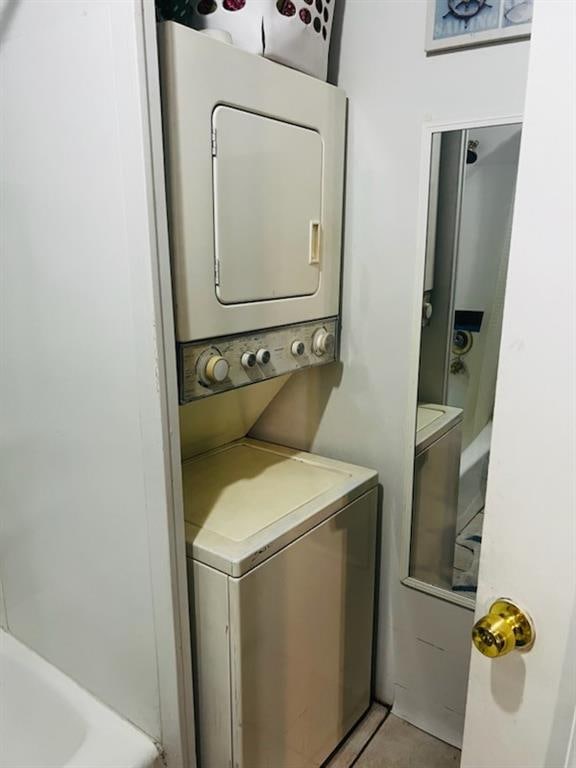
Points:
x=314 y=243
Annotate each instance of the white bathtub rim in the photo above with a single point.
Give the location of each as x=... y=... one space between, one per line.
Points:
x=473 y=467
x=477 y=450
x=110 y=740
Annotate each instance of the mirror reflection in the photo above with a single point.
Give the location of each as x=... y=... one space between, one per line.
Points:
x=471 y=198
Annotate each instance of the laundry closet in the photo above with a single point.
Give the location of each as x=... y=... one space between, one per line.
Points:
x=281 y=544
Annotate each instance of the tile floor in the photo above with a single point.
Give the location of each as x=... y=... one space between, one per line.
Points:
x=397 y=744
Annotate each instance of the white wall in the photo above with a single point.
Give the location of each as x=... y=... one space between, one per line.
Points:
x=489 y=186
x=86 y=547
x=365 y=410
x=484 y=242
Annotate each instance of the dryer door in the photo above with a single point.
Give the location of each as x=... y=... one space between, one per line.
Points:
x=267 y=207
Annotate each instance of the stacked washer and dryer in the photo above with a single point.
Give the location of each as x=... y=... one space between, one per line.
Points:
x=280 y=543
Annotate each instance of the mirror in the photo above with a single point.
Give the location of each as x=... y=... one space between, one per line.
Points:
x=470 y=205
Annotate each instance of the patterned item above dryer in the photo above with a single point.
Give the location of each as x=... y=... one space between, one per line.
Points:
x=291 y=32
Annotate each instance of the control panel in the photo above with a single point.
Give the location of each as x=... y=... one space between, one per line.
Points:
x=213 y=366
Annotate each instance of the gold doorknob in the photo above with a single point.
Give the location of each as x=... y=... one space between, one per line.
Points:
x=505 y=628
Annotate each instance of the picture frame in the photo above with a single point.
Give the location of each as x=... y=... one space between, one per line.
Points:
x=453 y=24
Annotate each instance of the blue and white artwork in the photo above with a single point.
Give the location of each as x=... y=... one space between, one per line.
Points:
x=461 y=23
x=461 y=17
x=517 y=12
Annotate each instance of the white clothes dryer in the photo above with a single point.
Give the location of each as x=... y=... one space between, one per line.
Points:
x=255 y=175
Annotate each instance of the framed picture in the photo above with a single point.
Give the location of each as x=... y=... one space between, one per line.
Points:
x=459 y=23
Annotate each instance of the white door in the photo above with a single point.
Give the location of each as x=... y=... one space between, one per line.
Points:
x=520 y=709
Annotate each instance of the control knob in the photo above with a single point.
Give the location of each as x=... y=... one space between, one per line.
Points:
x=212 y=367
x=248 y=360
x=262 y=356
x=323 y=342
x=297 y=348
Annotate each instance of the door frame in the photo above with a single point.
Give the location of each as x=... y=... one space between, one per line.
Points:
x=169 y=580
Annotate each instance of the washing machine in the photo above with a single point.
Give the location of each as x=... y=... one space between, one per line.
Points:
x=281 y=554
x=255 y=177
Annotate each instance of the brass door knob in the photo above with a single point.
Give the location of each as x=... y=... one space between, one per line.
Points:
x=505 y=628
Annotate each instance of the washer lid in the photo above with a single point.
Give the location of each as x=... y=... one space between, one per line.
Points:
x=426 y=414
x=247 y=500
x=433 y=421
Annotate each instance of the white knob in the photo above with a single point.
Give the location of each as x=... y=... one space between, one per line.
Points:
x=297 y=348
x=248 y=360
x=322 y=342
x=427 y=310
x=262 y=356
x=214 y=370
